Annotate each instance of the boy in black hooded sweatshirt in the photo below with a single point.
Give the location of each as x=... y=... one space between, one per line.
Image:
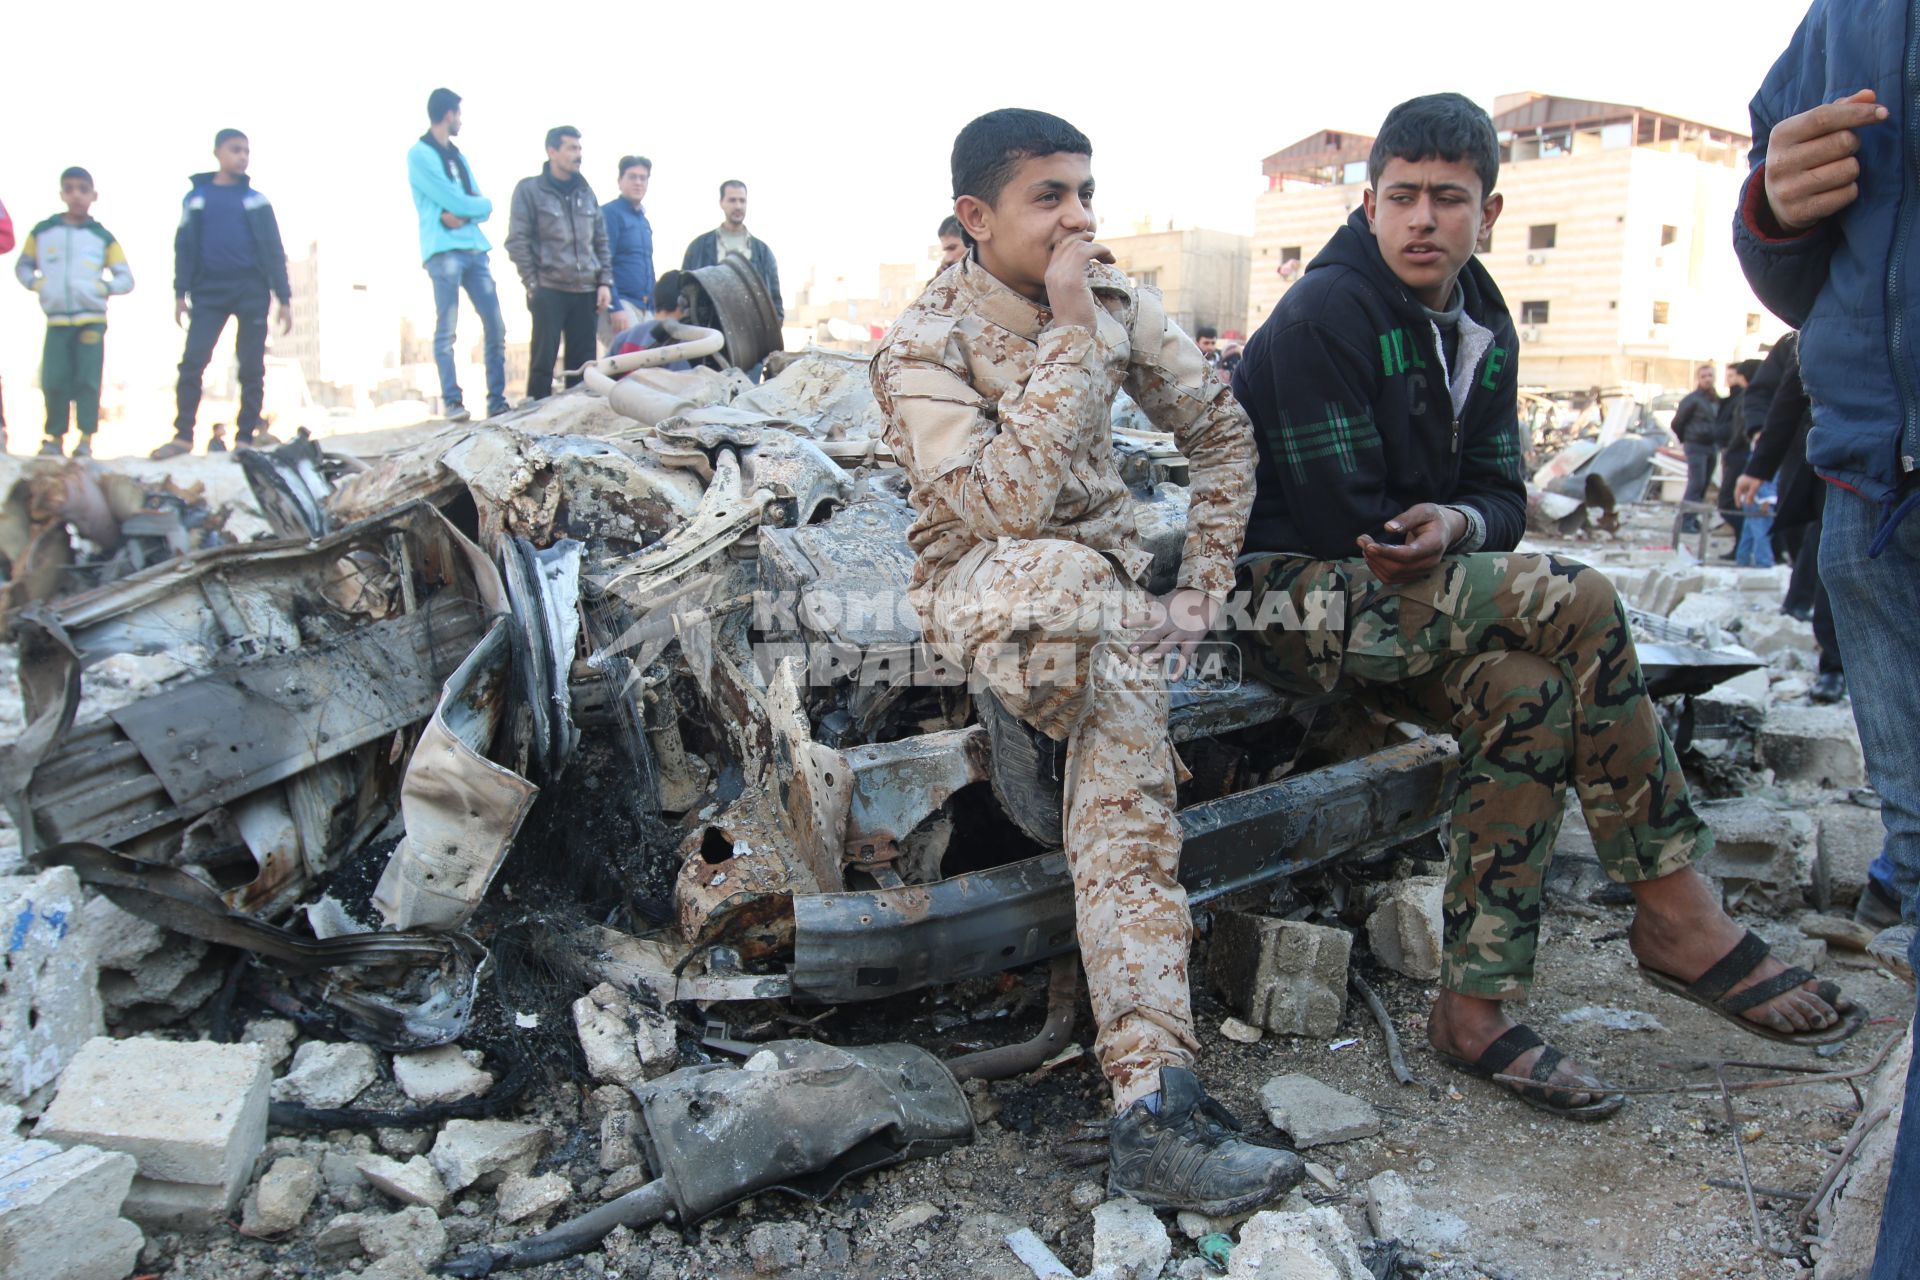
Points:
x=1389 y=498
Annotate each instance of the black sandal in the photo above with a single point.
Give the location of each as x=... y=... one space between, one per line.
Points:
x=1710 y=992
x=1516 y=1040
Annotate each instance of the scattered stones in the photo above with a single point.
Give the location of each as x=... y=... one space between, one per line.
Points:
x=193 y=1115
x=404 y=1142
x=482 y=1152
x=416 y=1231
x=148 y=975
x=1311 y=1244
x=1085 y=1196
x=275 y=1035
x=776 y=1247
x=1312 y=1114
x=49 y=987
x=523 y=1196
x=414 y=1182
x=911 y=1218
x=1765 y=858
x=340 y=1238
x=1240 y=1032
x=601 y=1017
x=1393 y=1213
x=1129 y=1240
x=444 y=1074
x=281 y=1200
x=619 y=1138
x=1842 y=932
x=1608 y=1018
x=1404 y=929
x=327 y=1075
x=629 y=1178
x=1817 y=745
x=1851 y=837
x=60 y=1213
x=1281 y=974
x=396 y=1266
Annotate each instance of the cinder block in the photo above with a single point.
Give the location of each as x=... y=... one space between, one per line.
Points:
x=49 y=984
x=192 y=1113
x=60 y=1214
x=1281 y=974
x=1765 y=858
x=177 y=1206
x=1404 y=929
x=1819 y=745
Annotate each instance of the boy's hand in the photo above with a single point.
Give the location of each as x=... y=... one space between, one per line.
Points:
x=1811 y=170
x=1428 y=529
x=286 y=318
x=1067 y=291
x=451 y=221
x=1185 y=618
x=180 y=310
x=1745 y=490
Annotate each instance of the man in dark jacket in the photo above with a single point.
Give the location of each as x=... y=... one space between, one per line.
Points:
x=1736 y=424
x=227 y=263
x=557 y=239
x=731 y=238
x=1696 y=427
x=1383 y=399
x=1827 y=236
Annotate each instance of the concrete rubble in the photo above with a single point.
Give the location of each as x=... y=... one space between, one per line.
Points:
x=1283 y=975
x=49 y=988
x=1312 y=1115
x=1404 y=929
x=60 y=1212
x=1312 y=1244
x=1394 y=1213
x=1129 y=1241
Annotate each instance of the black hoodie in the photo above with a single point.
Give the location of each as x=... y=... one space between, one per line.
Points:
x=1352 y=410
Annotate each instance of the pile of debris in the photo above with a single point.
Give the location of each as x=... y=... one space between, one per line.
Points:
x=594 y=741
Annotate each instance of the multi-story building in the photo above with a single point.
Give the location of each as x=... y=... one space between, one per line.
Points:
x=1614 y=249
x=1201 y=275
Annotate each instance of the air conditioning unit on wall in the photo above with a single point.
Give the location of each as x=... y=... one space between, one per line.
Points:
x=1530 y=334
x=1536 y=259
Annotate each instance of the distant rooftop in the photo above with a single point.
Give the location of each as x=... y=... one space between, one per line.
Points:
x=1532 y=126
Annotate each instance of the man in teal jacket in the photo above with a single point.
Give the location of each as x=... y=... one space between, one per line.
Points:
x=454 y=252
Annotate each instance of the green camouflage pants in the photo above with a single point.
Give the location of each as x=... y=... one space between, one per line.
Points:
x=1528 y=661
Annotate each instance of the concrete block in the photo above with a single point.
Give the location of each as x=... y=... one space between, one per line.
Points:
x=1313 y=1114
x=277 y=1035
x=1851 y=836
x=1311 y=1244
x=177 y=1206
x=414 y=1183
x=1129 y=1240
x=60 y=1214
x=327 y=1075
x=49 y=984
x=470 y=1152
x=1394 y=1214
x=1709 y=609
x=188 y=1112
x=1817 y=745
x=444 y=1074
x=523 y=1196
x=281 y=1200
x=1765 y=858
x=1281 y=974
x=1404 y=929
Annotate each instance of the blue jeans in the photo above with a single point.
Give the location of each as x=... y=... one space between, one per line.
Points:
x=1898 y=1253
x=1876 y=604
x=450 y=272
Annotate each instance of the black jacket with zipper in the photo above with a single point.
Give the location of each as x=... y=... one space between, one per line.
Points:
x=1357 y=417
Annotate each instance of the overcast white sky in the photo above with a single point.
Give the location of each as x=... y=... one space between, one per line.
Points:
x=840 y=116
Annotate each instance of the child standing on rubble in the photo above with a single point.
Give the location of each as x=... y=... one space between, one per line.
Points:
x=75 y=265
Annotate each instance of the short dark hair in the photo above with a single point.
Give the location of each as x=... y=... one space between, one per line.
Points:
x=988 y=150
x=558 y=133
x=439 y=102
x=633 y=162
x=950 y=226
x=1207 y=331
x=1449 y=126
x=1749 y=369
x=731 y=182
x=225 y=136
x=666 y=291
x=75 y=171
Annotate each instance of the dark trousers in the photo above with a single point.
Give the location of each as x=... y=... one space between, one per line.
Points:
x=557 y=315
x=1700 y=460
x=214 y=301
x=1733 y=461
x=70 y=366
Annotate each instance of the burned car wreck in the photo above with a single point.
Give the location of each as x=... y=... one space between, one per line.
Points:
x=692 y=590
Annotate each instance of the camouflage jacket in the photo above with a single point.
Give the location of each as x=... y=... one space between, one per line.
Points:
x=1000 y=418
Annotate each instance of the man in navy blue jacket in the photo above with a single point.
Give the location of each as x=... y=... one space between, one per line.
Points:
x=1380 y=555
x=1828 y=232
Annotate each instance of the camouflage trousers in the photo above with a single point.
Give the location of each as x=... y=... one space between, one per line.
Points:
x=1024 y=617
x=1529 y=662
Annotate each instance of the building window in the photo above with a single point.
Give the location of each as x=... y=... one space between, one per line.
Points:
x=1541 y=236
x=1660 y=310
x=1290 y=253
x=1533 y=313
x=1668 y=234
x=1150 y=278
